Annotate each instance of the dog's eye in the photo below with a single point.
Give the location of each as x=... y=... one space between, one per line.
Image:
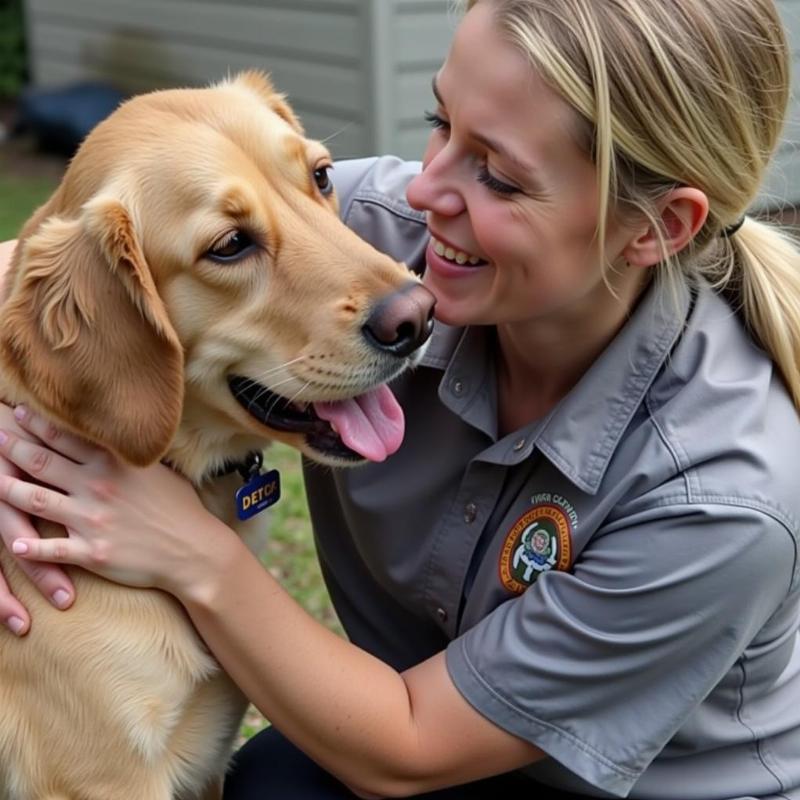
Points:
x=231 y=248
x=323 y=180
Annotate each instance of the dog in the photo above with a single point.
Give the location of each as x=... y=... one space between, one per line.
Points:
x=188 y=294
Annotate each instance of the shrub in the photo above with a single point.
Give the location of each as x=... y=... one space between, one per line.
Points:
x=13 y=63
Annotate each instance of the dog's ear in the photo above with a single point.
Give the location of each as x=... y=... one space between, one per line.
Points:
x=86 y=338
x=260 y=83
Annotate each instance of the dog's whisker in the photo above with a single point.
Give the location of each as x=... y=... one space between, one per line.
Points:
x=273 y=386
x=336 y=133
x=301 y=389
x=275 y=403
x=245 y=388
x=286 y=402
x=258 y=381
x=263 y=375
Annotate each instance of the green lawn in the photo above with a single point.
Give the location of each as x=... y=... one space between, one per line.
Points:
x=289 y=550
x=18 y=198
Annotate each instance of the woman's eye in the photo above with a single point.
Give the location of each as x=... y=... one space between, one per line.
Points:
x=436 y=122
x=487 y=179
x=232 y=247
x=323 y=180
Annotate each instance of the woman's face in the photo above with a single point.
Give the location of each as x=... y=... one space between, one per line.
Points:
x=511 y=198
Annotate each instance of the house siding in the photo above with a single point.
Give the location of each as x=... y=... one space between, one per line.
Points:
x=313 y=50
x=358 y=72
x=781 y=187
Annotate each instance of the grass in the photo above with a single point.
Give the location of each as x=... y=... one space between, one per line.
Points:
x=18 y=198
x=288 y=553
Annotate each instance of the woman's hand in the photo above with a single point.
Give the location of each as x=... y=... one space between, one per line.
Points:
x=6 y=251
x=51 y=581
x=141 y=527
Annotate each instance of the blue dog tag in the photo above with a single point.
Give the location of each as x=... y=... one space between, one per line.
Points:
x=260 y=492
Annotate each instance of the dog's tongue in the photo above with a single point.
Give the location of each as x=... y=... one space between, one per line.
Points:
x=372 y=424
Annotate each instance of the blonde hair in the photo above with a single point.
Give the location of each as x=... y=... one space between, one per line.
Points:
x=689 y=93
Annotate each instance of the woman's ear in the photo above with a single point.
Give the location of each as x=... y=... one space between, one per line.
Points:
x=683 y=212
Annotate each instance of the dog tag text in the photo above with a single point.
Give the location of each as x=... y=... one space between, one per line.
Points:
x=258 y=493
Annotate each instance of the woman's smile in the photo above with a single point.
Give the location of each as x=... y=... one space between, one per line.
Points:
x=510 y=196
x=453 y=254
x=449 y=262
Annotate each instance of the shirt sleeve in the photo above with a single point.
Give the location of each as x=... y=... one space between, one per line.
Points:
x=372 y=202
x=348 y=175
x=600 y=667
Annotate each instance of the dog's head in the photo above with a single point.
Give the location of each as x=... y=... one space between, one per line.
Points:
x=190 y=292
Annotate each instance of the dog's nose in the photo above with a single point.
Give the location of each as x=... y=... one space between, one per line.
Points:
x=400 y=322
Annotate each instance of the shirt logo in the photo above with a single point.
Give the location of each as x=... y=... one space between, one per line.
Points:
x=538 y=542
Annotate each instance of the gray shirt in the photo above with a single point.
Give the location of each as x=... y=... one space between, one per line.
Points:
x=616 y=583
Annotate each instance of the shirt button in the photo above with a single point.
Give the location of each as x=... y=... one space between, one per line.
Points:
x=458 y=388
x=519 y=445
x=470 y=512
x=442 y=614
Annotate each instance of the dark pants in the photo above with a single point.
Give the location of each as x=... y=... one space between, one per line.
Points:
x=270 y=767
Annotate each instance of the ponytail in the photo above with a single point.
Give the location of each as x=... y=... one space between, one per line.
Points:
x=764 y=281
x=681 y=94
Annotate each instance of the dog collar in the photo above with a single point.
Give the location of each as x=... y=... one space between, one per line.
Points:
x=247 y=467
x=260 y=489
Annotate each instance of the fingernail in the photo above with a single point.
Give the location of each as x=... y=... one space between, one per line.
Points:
x=19 y=547
x=20 y=412
x=3 y=437
x=15 y=625
x=60 y=598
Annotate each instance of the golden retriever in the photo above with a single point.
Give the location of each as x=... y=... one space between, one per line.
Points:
x=187 y=294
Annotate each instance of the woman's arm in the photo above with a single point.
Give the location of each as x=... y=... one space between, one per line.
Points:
x=381 y=732
x=52 y=581
x=6 y=249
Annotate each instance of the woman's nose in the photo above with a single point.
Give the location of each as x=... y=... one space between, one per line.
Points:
x=436 y=188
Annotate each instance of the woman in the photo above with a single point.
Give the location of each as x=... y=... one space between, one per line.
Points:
x=581 y=565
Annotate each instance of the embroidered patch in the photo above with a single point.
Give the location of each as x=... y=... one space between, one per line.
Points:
x=538 y=542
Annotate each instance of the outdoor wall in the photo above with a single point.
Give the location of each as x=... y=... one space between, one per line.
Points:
x=782 y=186
x=357 y=71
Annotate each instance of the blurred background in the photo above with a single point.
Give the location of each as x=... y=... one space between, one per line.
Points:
x=357 y=72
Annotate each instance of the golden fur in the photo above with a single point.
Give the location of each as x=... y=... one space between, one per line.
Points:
x=116 y=325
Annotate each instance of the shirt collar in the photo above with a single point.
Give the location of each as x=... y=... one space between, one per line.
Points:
x=441 y=346
x=579 y=436
x=468 y=386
